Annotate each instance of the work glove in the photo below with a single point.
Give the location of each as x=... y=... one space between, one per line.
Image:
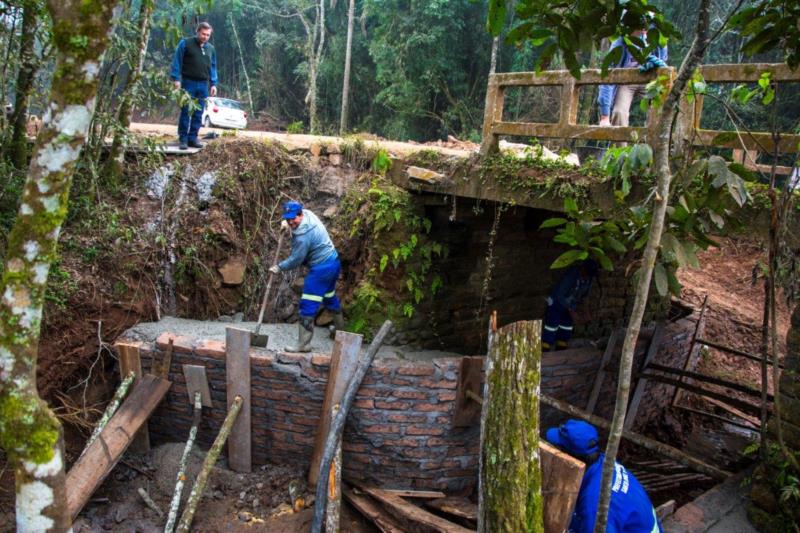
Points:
x=651 y=63
x=284 y=224
x=275 y=269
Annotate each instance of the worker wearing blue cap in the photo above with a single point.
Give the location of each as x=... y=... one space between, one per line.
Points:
x=311 y=246
x=630 y=510
x=562 y=304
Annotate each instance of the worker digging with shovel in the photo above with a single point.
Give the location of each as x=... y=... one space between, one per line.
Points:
x=311 y=246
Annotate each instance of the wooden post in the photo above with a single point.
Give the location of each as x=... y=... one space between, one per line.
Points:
x=641 y=384
x=511 y=482
x=130 y=361
x=237 y=372
x=694 y=349
x=468 y=410
x=344 y=361
x=601 y=373
x=333 y=510
x=493 y=112
x=181 y=477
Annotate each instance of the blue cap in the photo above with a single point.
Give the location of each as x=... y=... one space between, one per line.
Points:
x=575 y=436
x=291 y=209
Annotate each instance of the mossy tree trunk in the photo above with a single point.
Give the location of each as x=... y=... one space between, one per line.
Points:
x=29 y=432
x=28 y=65
x=510 y=472
x=113 y=168
x=661 y=165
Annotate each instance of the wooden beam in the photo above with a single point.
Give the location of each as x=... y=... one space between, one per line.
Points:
x=344 y=361
x=562 y=475
x=711 y=379
x=734 y=351
x=370 y=509
x=237 y=373
x=130 y=361
x=694 y=348
x=746 y=425
x=601 y=373
x=458 y=507
x=423 y=494
x=641 y=383
x=733 y=402
x=741 y=72
x=641 y=440
x=470 y=375
x=88 y=473
x=412 y=517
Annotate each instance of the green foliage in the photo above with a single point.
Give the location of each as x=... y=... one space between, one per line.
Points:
x=768 y=25
x=295 y=127
x=60 y=286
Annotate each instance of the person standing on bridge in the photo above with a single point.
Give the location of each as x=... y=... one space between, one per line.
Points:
x=630 y=511
x=311 y=246
x=563 y=302
x=614 y=101
x=194 y=69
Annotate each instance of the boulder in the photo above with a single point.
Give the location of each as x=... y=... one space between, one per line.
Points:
x=232 y=271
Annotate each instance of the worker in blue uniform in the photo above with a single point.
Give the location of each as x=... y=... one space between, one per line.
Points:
x=311 y=246
x=630 y=510
x=561 y=313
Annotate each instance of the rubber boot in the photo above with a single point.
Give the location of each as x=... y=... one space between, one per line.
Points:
x=305 y=330
x=338 y=324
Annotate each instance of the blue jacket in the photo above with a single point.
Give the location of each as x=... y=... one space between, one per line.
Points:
x=571 y=289
x=177 y=63
x=311 y=244
x=607 y=93
x=630 y=511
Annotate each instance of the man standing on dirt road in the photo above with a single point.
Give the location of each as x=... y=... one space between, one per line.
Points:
x=194 y=69
x=312 y=246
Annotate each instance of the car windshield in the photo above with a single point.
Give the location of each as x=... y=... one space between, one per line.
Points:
x=233 y=104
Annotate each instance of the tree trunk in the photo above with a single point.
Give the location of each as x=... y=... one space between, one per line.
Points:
x=351 y=13
x=181 y=477
x=244 y=67
x=116 y=156
x=315 y=55
x=511 y=483
x=662 y=133
x=29 y=432
x=28 y=65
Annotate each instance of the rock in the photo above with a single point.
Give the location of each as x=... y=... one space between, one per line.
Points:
x=333 y=148
x=316 y=149
x=218 y=494
x=297 y=284
x=259 y=486
x=324 y=318
x=424 y=175
x=238 y=317
x=120 y=514
x=336 y=159
x=331 y=211
x=233 y=270
x=242 y=495
x=224 y=318
x=287 y=311
x=245 y=516
x=762 y=496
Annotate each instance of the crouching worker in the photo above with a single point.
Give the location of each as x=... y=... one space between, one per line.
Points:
x=563 y=302
x=630 y=510
x=311 y=246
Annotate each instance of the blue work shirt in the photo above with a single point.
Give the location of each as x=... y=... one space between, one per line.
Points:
x=311 y=244
x=630 y=511
x=177 y=63
x=607 y=93
x=571 y=289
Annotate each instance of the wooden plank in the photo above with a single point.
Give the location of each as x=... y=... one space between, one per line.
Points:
x=745 y=425
x=561 y=481
x=459 y=507
x=98 y=461
x=370 y=509
x=412 y=517
x=344 y=361
x=734 y=351
x=694 y=348
x=161 y=367
x=237 y=373
x=641 y=383
x=705 y=393
x=432 y=494
x=601 y=373
x=712 y=380
x=470 y=374
x=130 y=361
x=196 y=380
x=735 y=412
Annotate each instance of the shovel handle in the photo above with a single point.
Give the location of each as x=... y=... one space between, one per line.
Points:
x=269 y=285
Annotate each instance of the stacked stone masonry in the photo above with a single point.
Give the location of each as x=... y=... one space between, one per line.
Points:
x=400 y=429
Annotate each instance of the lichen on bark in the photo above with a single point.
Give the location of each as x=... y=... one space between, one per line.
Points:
x=510 y=467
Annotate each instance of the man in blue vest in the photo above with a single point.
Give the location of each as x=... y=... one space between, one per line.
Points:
x=194 y=68
x=311 y=246
x=562 y=304
x=630 y=510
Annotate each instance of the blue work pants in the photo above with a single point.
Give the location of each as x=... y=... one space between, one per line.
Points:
x=319 y=288
x=189 y=127
x=557 y=327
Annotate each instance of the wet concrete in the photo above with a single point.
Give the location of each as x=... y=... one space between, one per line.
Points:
x=280 y=335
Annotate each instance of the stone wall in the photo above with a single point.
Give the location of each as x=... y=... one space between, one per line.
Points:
x=400 y=430
x=520 y=280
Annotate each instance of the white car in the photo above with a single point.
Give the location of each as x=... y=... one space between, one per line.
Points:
x=224 y=113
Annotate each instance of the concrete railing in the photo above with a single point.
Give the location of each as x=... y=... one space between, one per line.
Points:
x=688 y=120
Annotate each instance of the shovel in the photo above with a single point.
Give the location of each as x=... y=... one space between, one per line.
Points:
x=256 y=339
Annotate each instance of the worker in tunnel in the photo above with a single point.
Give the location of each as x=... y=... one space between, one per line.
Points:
x=311 y=246
x=562 y=304
x=630 y=510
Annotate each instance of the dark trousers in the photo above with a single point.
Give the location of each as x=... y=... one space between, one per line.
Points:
x=189 y=127
x=557 y=327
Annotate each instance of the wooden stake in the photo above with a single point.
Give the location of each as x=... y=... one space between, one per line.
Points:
x=337 y=425
x=511 y=482
x=237 y=372
x=694 y=348
x=641 y=440
x=208 y=464
x=130 y=361
x=111 y=408
x=181 y=477
x=149 y=502
x=641 y=384
x=344 y=362
x=601 y=372
x=332 y=512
